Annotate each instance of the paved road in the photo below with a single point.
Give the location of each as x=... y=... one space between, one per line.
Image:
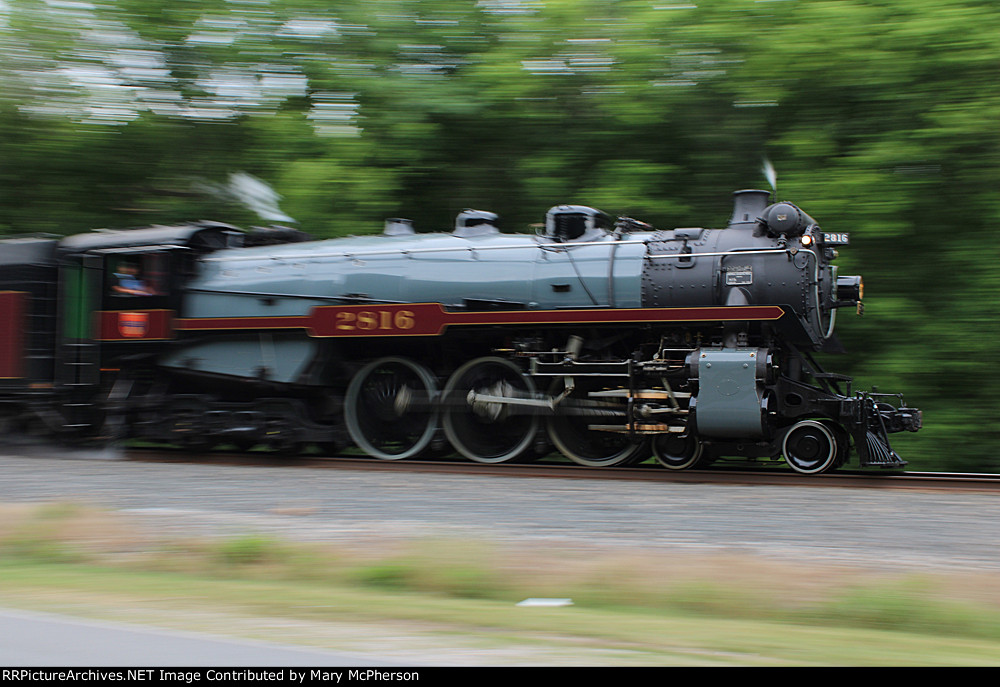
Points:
x=42 y=639
x=855 y=526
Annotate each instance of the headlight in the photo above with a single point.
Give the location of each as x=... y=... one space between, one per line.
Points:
x=850 y=290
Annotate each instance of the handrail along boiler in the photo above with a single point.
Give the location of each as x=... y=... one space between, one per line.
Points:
x=607 y=340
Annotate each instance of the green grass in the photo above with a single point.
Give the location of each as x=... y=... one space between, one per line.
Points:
x=454 y=601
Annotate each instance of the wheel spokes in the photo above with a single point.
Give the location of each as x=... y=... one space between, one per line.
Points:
x=389 y=408
x=482 y=419
x=569 y=430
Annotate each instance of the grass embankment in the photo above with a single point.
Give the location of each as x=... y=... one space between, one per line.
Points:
x=446 y=602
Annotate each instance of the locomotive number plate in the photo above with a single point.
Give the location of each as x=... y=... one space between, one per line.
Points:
x=841 y=239
x=412 y=319
x=741 y=278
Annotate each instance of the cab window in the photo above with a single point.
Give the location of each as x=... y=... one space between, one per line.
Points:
x=131 y=276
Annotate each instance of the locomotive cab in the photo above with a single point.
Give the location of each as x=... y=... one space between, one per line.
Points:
x=123 y=287
x=140 y=269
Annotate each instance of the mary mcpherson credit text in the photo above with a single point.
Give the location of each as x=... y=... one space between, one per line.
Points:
x=209 y=675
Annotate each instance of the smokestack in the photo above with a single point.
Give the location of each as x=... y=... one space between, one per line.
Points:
x=748 y=205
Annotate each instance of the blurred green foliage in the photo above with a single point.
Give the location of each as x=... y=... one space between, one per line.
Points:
x=879 y=116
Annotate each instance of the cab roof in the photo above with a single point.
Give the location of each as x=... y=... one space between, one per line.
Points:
x=202 y=236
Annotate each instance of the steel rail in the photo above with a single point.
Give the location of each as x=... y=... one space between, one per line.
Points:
x=774 y=475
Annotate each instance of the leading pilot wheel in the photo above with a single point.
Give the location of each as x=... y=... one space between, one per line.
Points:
x=389 y=408
x=810 y=447
x=678 y=451
x=485 y=430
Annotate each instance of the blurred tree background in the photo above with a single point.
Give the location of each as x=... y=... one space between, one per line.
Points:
x=878 y=115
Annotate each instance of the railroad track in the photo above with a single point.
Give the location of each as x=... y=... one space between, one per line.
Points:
x=769 y=475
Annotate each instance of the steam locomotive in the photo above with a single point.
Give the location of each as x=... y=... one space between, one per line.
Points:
x=608 y=340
